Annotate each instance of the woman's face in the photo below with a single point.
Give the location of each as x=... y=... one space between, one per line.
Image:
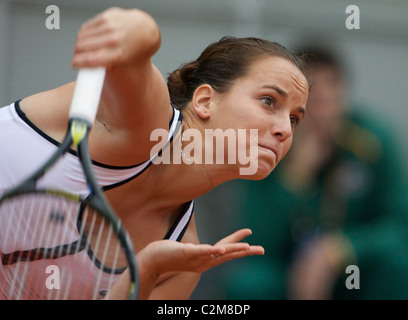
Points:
x=271 y=98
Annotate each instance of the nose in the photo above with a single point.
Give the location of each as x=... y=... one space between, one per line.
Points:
x=281 y=127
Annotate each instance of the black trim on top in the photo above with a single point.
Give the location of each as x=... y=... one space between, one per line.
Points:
x=186 y=226
x=175 y=224
x=23 y=117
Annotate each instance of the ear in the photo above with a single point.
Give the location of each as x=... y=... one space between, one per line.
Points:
x=201 y=101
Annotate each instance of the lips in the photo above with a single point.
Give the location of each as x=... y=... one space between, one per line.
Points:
x=271 y=149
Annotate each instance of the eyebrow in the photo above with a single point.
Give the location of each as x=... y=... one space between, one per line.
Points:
x=277 y=89
x=302 y=111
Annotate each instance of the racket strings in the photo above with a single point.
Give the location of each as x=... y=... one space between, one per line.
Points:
x=56 y=248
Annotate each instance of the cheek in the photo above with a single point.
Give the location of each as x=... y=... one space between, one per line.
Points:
x=237 y=105
x=286 y=146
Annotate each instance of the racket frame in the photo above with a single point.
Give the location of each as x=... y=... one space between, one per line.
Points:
x=79 y=125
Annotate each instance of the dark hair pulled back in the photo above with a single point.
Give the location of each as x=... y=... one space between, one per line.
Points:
x=220 y=64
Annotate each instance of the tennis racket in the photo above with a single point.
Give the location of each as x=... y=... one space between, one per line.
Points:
x=57 y=245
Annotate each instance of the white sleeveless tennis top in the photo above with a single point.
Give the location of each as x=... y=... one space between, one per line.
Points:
x=23 y=149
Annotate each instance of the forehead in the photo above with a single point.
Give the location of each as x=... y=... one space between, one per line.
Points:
x=277 y=70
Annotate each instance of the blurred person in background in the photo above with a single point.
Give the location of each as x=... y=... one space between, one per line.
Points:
x=339 y=199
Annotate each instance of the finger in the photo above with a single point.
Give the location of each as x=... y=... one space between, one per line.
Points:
x=236 y=249
x=245 y=249
x=102 y=57
x=88 y=35
x=101 y=22
x=257 y=250
x=207 y=251
x=203 y=250
x=232 y=247
x=96 y=27
x=96 y=42
x=253 y=250
x=236 y=236
x=88 y=60
x=93 y=22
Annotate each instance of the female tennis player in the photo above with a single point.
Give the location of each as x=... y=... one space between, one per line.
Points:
x=236 y=83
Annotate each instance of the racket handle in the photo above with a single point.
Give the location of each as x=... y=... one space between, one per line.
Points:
x=87 y=93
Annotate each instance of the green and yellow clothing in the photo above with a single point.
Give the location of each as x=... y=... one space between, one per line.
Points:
x=361 y=192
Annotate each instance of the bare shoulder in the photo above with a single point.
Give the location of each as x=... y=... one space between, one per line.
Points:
x=136 y=99
x=135 y=102
x=48 y=110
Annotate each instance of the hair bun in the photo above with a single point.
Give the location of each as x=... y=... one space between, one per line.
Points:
x=178 y=83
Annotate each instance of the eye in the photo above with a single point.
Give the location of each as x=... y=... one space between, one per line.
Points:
x=294 y=121
x=268 y=101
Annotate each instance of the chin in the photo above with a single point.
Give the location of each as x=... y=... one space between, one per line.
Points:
x=263 y=171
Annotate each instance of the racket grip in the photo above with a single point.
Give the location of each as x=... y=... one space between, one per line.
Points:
x=87 y=93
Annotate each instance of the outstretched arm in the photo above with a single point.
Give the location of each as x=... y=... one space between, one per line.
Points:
x=178 y=261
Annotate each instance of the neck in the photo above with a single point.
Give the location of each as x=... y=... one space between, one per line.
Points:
x=185 y=178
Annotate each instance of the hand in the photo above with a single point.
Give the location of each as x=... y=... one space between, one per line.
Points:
x=165 y=256
x=115 y=37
